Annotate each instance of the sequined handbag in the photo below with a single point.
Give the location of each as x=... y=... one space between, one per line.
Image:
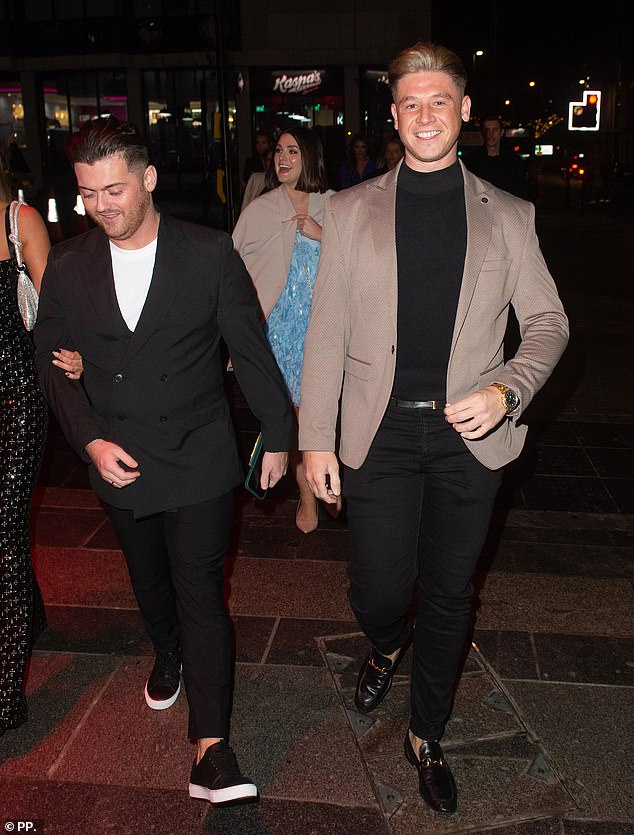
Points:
x=26 y=292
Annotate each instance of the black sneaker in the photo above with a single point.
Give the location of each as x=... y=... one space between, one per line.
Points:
x=217 y=777
x=164 y=684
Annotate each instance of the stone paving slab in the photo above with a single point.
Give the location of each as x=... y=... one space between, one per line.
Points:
x=66 y=527
x=588 y=731
x=288 y=817
x=493 y=790
x=566 y=560
x=270 y=587
x=62 y=689
x=85 y=809
x=537 y=604
x=80 y=576
x=288 y=729
x=122 y=742
x=585 y=659
x=293 y=738
x=486 y=741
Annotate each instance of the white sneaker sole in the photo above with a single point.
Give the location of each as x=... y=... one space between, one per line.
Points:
x=241 y=792
x=161 y=704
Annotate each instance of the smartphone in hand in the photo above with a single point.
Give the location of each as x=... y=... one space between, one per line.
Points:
x=254 y=473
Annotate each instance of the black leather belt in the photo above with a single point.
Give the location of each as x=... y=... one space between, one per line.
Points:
x=417 y=404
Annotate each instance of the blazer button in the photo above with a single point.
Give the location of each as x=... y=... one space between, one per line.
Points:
x=120 y=417
x=163 y=418
x=485 y=199
x=118 y=378
x=163 y=378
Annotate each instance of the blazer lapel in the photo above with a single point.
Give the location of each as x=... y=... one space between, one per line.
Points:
x=170 y=265
x=382 y=222
x=96 y=269
x=479 y=206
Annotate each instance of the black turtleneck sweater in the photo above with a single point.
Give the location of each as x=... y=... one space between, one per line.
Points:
x=431 y=243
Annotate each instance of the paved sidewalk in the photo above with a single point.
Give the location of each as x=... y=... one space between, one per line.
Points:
x=541 y=736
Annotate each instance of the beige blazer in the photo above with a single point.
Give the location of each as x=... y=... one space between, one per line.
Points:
x=351 y=342
x=264 y=237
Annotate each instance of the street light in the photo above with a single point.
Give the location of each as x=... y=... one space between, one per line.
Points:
x=477 y=54
x=531 y=83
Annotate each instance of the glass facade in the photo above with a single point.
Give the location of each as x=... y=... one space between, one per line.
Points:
x=12 y=133
x=71 y=98
x=185 y=135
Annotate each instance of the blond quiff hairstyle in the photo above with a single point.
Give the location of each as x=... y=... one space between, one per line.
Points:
x=428 y=57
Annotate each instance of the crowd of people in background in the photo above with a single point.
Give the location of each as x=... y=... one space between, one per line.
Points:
x=492 y=161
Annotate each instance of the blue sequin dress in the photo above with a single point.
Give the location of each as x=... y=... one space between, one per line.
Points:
x=287 y=323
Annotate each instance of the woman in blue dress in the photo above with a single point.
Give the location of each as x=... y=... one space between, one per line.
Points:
x=278 y=236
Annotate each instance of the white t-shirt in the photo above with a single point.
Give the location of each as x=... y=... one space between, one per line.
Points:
x=132 y=270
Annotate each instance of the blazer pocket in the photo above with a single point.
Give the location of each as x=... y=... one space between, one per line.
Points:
x=206 y=414
x=503 y=264
x=357 y=368
x=489 y=376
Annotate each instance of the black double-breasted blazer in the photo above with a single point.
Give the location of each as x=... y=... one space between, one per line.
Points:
x=158 y=391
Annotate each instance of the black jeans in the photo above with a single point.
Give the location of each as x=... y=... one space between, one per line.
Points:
x=176 y=564
x=418 y=509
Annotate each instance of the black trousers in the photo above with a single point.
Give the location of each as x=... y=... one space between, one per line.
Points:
x=418 y=509
x=176 y=564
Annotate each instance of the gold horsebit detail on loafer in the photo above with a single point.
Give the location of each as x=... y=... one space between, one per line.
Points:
x=382 y=670
x=428 y=761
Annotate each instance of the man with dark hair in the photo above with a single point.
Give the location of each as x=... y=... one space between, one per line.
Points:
x=496 y=164
x=417 y=272
x=146 y=298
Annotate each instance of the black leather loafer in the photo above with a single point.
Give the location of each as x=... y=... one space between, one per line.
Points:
x=435 y=780
x=374 y=682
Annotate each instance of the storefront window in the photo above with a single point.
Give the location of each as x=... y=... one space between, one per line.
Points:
x=185 y=136
x=12 y=136
x=71 y=98
x=11 y=114
x=309 y=97
x=376 y=102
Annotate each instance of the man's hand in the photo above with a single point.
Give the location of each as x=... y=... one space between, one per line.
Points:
x=476 y=414
x=274 y=466
x=107 y=457
x=322 y=473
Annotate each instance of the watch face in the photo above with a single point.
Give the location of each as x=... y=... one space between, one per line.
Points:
x=511 y=400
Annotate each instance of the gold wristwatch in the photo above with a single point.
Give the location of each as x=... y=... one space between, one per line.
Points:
x=510 y=399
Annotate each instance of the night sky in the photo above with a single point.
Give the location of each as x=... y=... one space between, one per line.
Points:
x=552 y=43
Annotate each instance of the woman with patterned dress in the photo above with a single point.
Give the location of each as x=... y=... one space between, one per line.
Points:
x=23 y=422
x=278 y=236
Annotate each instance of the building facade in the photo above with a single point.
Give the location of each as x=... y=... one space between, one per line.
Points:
x=187 y=69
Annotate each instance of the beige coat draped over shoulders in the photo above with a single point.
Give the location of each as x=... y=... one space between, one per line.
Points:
x=264 y=237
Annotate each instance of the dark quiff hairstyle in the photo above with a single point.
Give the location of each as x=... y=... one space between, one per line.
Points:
x=429 y=57
x=106 y=137
x=313 y=176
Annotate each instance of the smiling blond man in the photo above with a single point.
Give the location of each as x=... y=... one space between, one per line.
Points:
x=418 y=270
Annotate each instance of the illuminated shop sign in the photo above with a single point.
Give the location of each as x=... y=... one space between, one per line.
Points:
x=302 y=81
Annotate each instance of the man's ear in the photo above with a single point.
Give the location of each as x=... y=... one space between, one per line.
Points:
x=394 y=110
x=150 y=178
x=465 y=108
